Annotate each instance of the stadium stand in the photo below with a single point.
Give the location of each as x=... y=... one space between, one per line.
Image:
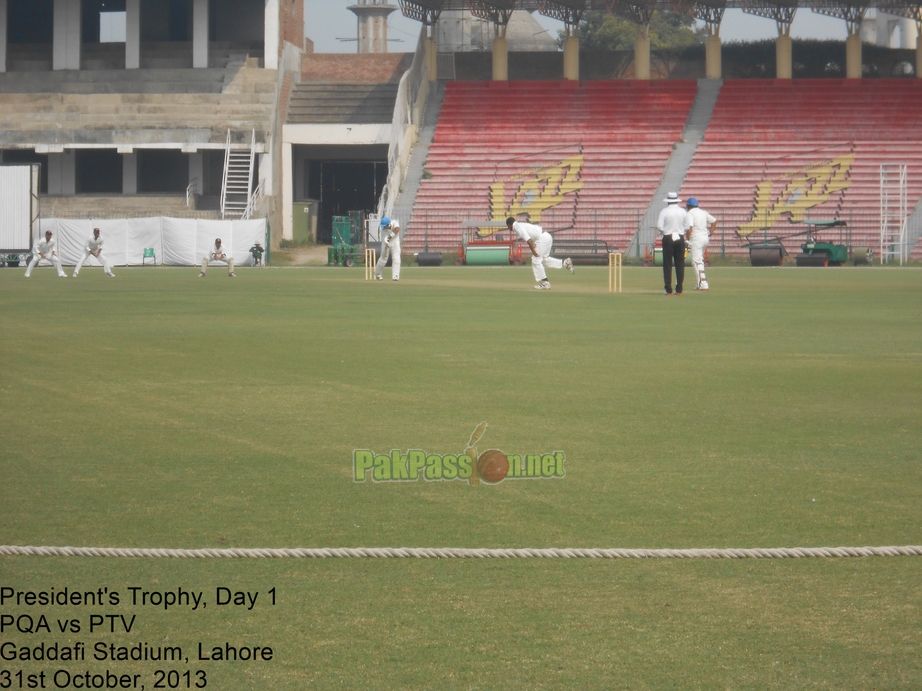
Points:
x=777 y=152
x=582 y=159
x=338 y=103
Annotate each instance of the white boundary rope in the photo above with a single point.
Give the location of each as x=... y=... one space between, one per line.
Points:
x=460 y=553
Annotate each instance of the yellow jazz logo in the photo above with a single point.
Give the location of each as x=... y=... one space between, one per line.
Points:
x=801 y=190
x=537 y=189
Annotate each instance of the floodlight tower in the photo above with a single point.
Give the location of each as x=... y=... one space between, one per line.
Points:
x=427 y=12
x=641 y=13
x=711 y=12
x=499 y=12
x=910 y=10
x=783 y=14
x=853 y=14
x=372 y=24
x=570 y=12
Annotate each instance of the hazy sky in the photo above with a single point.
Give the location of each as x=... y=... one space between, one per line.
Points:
x=326 y=21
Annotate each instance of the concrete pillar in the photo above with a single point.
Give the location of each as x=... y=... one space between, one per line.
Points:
x=908 y=39
x=918 y=50
x=642 y=53
x=571 y=58
x=784 y=64
x=66 y=52
x=500 y=60
x=199 y=33
x=288 y=221
x=713 y=67
x=431 y=59
x=272 y=30
x=299 y=189
x=853 y=57
x=62 y=173
x=3 y=30
x=197 y=170
x=130 y=173
x=132 y=34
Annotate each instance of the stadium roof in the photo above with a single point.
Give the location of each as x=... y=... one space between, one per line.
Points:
x=411 y=8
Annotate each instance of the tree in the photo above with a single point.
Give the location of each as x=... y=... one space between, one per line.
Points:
x=604 y=31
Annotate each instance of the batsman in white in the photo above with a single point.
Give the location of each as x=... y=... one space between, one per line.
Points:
x=390 y=245
x=45 y=249
x=218 y=254
x=540 y=244
x=699 y=226
x=93 y=246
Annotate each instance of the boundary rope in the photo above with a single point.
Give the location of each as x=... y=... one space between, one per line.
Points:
x=461 y=553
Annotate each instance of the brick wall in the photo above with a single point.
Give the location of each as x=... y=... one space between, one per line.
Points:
x=291 y=22
x=352 y=68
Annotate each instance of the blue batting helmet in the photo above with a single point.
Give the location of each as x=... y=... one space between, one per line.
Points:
x=691 y=202
x=385 y=221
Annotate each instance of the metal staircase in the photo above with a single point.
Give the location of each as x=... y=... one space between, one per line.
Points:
x=238 y=179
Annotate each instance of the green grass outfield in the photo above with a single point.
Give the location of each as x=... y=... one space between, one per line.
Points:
x=783 y=408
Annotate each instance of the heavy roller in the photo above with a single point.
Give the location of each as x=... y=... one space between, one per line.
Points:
x=816 y=253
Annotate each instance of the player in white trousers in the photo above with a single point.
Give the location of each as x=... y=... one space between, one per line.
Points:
x=699 y=226
x=93 y=246
x=45 y=249
x=540 y=244
x=390 y=245
x=218 y=254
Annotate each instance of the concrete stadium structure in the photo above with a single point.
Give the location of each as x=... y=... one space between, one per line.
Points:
x=220 y=108
x=146 y=107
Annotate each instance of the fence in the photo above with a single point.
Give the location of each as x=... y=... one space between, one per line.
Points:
x=175 y=241
x=622 y=231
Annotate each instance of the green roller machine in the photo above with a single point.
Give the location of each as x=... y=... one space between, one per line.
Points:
x=346 y=250
x=819 y=253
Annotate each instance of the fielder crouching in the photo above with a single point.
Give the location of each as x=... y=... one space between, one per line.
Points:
x=219 y=255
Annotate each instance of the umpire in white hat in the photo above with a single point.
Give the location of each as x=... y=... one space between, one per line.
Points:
x=671 y=225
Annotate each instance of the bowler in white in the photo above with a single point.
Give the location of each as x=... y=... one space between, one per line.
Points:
x=93 y=246
x=540 y=244
x=45 y=249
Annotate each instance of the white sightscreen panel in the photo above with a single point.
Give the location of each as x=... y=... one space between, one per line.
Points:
x=246 y=234
x=144 y=232
x=15 y=207
x=208 y=231
x=179 y=242
x=71 y=236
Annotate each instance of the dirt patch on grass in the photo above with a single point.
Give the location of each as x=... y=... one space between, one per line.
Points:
x=314 y=255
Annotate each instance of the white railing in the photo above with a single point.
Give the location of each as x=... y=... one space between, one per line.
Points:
x=191 y=189
x=408 y=114
x=227 y=148
x=254 y=199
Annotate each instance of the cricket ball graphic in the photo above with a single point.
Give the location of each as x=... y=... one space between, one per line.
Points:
x=492 y=466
